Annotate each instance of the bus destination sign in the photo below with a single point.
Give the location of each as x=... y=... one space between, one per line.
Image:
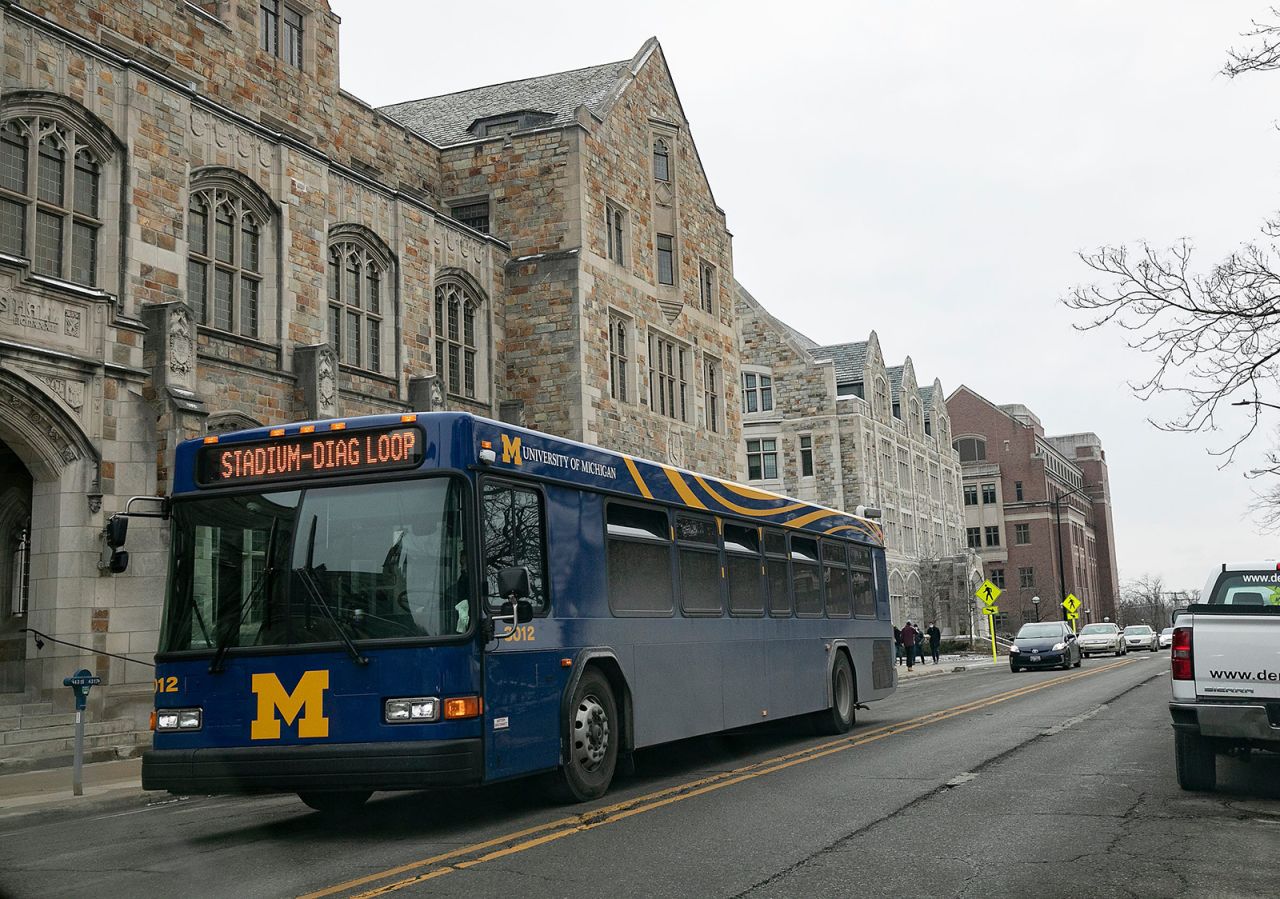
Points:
x=303 y=456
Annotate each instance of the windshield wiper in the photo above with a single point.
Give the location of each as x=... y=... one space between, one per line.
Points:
x=307 y=575
x=215 y=666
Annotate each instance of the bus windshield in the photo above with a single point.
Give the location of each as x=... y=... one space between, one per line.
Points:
x=361 y=562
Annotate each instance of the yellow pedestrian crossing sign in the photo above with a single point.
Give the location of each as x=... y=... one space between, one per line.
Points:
x=1071 y=604
x=988 y=593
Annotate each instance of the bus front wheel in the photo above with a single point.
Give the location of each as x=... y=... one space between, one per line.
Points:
x=839 y=718
x=335 y=803
x=593 y=741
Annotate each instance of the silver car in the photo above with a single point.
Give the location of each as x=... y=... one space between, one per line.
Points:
x=1166 y=638
x=1101 y=638
x=1140 y=636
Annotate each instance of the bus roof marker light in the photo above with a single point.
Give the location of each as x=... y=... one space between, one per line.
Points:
x=566 y=663
x=276 y=432
x=212 y=438
x=338 y=426
x=409 y=417
x=487 y=455
x=307 y=429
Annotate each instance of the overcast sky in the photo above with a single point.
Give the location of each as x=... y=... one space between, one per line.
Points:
x=928 y=170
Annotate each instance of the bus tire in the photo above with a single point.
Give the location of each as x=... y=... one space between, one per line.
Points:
x=840 y=717
x=336 y=803
x=593 y=737
x=1197 y=763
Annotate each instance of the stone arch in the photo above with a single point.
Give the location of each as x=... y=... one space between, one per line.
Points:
x=222 y=422
x=38 y=430
x=350 y=231
x=914 y=603
x=897 y=596
x=238 y=183
x=99 y=138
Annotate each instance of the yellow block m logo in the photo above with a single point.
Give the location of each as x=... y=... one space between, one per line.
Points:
x=510 y=450
x=307 y=697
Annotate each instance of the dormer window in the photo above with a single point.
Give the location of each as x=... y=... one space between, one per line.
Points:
x=854 y=389
x=509 y=122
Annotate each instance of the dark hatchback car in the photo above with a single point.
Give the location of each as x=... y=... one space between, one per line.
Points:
x=1046 y=644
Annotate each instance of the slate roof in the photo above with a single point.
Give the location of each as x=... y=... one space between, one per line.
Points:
x=849 y=358
x=926 y=398
x=444 y=120
x=895 y=380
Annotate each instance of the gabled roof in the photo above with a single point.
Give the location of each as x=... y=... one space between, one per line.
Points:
x=803 y=344
x=445 y=120
x=850 y=359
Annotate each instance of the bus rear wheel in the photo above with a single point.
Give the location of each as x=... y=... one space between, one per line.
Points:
x=840 y=717
x=335 y=803
x=593 y=741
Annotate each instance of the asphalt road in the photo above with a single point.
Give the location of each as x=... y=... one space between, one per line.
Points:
x=982 y=783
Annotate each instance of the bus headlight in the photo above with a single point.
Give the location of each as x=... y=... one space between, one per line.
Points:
x=411 y=710
x=179 y=719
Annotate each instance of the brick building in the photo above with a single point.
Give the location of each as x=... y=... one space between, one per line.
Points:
x=199 y=230
x=1013 y=473
x=835 y=425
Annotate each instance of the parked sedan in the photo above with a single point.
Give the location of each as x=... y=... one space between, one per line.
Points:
x=1103 y=637
x=1166 y=638
x=1140 y=636
x=1046 y=644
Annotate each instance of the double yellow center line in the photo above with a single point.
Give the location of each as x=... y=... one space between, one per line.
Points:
x=541 y=834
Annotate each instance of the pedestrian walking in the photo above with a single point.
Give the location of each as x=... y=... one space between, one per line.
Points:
x=897 y=643
x=909 y=643
x=920 y=644
x=935 y=642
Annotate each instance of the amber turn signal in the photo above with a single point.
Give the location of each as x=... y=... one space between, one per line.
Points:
x=462 y=707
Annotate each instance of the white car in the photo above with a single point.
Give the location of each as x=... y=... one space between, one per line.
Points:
x=1166 y=638
x=1140 y=636
x=1100 y=638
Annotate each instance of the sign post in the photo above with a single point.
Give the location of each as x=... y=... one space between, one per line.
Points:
x=80 y=682
x=1072 y=606
x=987 y=594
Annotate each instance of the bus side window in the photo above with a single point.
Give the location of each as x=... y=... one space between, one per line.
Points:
x=513 y=527
x=775 y=548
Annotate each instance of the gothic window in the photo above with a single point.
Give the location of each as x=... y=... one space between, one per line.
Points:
x=882 y=398
x=458 y=320
x=711 y=392
x=225 y=258
x=50 y=197
x=668 y=378
x=615 y=233
x=661 y=160
x=473 y=215
x=666 y=259
x=757 y=392
x=358 y=301
x=706 y=287
x=619 y=357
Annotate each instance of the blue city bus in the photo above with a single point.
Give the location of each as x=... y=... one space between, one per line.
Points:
x=402 y=602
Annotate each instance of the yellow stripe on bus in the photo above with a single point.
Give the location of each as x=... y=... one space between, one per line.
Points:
x=742 y=510
x=682 y=488
x=635 y=476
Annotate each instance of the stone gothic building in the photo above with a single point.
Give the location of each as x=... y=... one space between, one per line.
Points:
x=835 y=425
x=200 y=231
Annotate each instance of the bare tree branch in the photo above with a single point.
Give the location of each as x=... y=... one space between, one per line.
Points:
x=1262 y=54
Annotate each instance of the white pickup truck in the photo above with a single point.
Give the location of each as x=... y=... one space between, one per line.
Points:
x=1226 y=671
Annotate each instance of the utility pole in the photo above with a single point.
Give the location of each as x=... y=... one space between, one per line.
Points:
x=1056 y=502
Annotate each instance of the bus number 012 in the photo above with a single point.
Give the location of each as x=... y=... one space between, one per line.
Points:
x=523 y=633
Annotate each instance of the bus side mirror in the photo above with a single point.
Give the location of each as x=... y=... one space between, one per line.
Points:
x=513 y=582
x=522 y=613
x=116 y=531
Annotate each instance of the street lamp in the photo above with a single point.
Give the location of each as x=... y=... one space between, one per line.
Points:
x=1035 y=602
x=1056 y=503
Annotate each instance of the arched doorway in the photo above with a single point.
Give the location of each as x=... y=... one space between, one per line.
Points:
x=15 y=568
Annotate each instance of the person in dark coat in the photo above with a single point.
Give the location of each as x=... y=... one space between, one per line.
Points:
x=909 y=633
x=935 y=642
x=897 y=644
x=920 y=644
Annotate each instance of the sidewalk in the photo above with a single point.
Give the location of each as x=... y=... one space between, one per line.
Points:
x=105 y=783
x=947 y=664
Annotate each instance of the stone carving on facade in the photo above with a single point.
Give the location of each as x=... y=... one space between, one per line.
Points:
x=181 y=343
x=326 y=378
x=69 y=391
x=663 y=194
x=198 y=123
x=95 y=503
x=675 y=447
x=71 y=319
x=671 y=310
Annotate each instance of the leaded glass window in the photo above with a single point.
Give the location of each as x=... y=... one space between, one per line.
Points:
x=457 y=338
x=355 y=304
x=224 y=261
x=50 y=187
